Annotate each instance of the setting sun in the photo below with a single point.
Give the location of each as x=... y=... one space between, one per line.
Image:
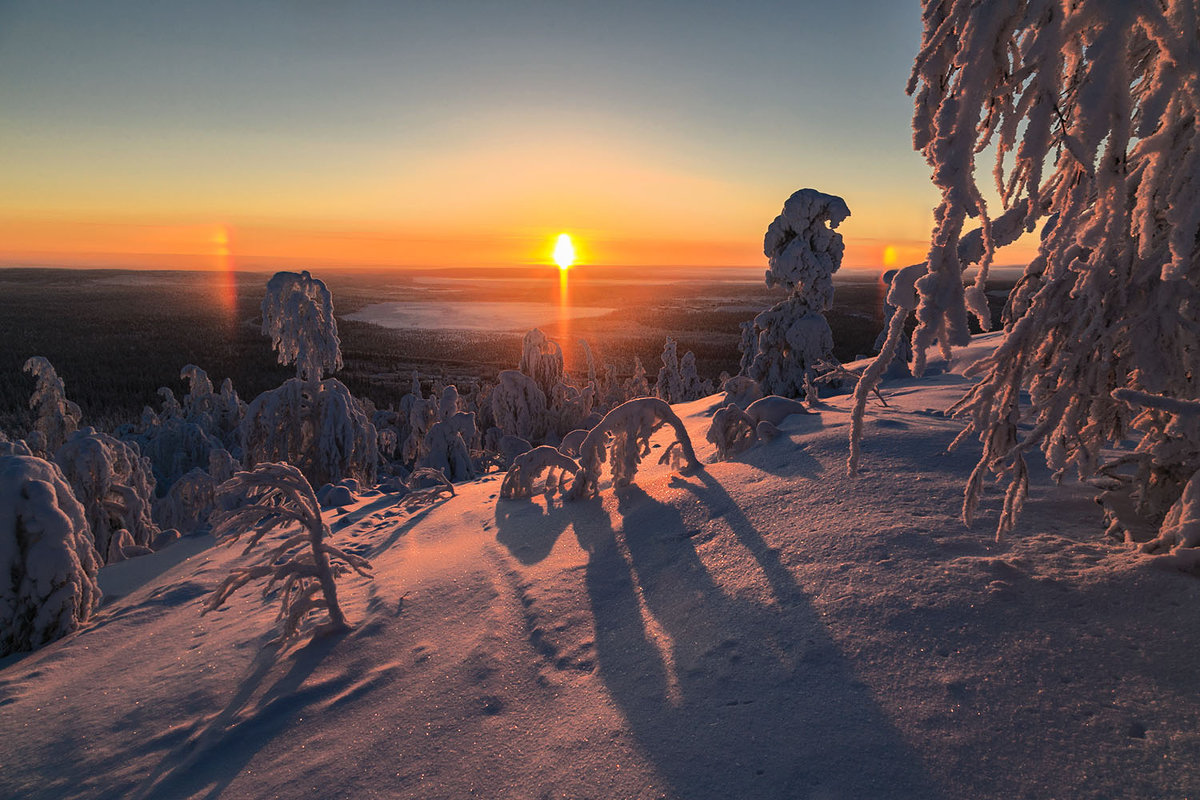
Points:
x=564 y=251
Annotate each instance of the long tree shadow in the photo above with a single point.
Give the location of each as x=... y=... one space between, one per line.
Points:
x=731 y=697
x=209 y=759
x=528 y=530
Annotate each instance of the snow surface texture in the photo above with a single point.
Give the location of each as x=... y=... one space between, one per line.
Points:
x=47 y=557
x=1106 y=95
x=758 y=629
x=784 y=343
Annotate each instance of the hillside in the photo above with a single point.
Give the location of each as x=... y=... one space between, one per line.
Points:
x=765 y=628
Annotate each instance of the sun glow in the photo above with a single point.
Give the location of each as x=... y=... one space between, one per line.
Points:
x=564 y=252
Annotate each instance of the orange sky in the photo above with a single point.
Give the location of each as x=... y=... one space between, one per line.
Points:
x=222 y=134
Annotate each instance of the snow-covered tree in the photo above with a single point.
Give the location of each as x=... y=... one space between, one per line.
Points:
x=542 y=360
x=297 y=313
x=623 y=438
x=313 y=423
x=1104 y=92
x=48 y=563
x=303 y=564
x=115 y=484
x=803 y=249
x=519 y=406
x=319 y=427
x=637 y=385
x=731 y=431
x=521 y=478
x=57 y=417
x=447 y=447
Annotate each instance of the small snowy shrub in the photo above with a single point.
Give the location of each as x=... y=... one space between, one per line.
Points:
x=48 y=563
x=57 y=417
x=302 y=565
x=732 y=431
x=116 y=487
x=623 y=438
x=521 y=478
x=785 y=342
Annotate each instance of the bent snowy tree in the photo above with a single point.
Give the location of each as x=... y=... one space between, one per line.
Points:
x=623 y=438
x=274 y=497
x=1104 y=91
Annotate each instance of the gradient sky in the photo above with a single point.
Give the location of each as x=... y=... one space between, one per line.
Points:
x=311 y=133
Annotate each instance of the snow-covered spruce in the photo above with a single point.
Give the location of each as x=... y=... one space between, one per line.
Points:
x=318 y=426
x=541 y=360
x=115 y=484
x=521 y=478
x=623 y=438
x=447 y=449
x=313 y=423
x=47 y=558
x=784 y=343
x=57 y=417
x=519 y=406
x=297 y=313
x=1107 y=96
x=678 y=379
x=303 y=565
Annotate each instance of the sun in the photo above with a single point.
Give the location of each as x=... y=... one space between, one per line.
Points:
x=564 y=251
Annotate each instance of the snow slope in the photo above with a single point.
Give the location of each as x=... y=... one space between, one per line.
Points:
x=764 y=628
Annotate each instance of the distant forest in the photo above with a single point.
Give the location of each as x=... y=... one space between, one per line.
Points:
x=116 y=336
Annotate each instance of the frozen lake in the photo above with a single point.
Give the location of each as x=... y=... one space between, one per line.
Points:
x=472 y=315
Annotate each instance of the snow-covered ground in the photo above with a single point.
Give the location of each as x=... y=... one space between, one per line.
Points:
x=765 y=628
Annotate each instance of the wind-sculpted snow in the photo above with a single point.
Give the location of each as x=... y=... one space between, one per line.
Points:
x=276 y=497
x=623 y=439
x=784 y=343
x=47 y=557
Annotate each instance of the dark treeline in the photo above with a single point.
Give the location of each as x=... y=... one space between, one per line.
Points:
x=116 y=336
